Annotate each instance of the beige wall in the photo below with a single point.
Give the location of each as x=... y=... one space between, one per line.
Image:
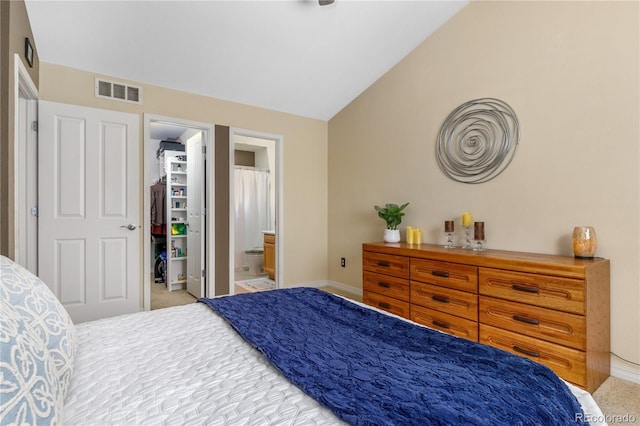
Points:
x=14 y=27
x=304 y=155
x=571 y=71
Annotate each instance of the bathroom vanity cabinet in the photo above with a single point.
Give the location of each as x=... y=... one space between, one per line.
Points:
x=269 y=251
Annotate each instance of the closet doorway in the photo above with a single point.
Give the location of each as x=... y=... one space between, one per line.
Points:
x=255 y=236
x=178 y=161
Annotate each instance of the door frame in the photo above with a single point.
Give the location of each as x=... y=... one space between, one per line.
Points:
x=26 y=249
x=208 y=139
x=279 y=140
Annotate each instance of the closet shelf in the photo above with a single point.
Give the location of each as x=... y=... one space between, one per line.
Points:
x=176 y=209
x=177 y=285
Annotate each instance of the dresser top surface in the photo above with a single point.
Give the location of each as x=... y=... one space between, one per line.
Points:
x=502 y=259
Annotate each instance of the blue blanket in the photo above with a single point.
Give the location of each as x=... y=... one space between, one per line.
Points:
x=373 y=369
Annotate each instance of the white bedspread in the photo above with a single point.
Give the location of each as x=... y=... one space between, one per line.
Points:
x=186 y=366
x=179 y=366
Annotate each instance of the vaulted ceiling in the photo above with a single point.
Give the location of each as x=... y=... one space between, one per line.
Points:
x=293 y=56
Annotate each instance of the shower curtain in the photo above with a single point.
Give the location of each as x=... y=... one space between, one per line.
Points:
x=252 y=210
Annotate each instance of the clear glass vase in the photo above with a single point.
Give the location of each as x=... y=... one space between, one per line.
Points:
x=584 y=242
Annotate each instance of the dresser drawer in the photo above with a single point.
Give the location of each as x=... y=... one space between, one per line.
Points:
x=558 y=327
x=451 y=275
x=564 y=294
x=386 y=303
x=386 y=285
x=387 y=264
x=567 y=363
x=444 y=322
x=446 y=300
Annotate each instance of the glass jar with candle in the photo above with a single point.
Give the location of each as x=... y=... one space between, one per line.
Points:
x=584 y=242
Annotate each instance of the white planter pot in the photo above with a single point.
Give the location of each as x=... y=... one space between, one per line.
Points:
x=391 y=235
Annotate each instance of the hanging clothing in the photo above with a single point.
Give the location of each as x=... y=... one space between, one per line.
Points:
x=159 y=208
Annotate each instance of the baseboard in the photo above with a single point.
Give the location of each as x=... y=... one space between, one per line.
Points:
x=624 y=370
x=314 y=284
x=346 y=288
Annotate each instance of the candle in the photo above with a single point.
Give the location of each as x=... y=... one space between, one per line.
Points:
x=466 y=219
x=417 y=236
x=478 y=231
x=448 y=226
x=409 y=234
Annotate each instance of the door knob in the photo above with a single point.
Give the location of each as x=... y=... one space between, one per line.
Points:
x=130 y=227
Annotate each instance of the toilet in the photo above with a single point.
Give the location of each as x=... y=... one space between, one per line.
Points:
x=254 y=258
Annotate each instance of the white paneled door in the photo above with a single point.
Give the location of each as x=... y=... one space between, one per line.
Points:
x=89 y=196
x=195 y=204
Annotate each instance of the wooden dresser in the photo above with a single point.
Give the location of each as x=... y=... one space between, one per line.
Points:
x=551 y=309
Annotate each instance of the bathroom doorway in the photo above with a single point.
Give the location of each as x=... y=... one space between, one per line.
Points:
x=255 y=211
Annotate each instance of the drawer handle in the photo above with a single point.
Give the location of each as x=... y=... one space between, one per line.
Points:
x=384 y=305
x=526 y=289
x=438 y=298
x=384 y=285
x=441 y=324
x=526 y=351
x=444 y=274
x=384 y=264
x=533 y=321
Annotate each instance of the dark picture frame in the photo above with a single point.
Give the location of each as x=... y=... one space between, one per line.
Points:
x=28 y=52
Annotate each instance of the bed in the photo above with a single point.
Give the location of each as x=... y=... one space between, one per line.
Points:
x=190 y=365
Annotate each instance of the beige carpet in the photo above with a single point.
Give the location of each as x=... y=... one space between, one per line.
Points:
x=162 y=298
x=619 y=400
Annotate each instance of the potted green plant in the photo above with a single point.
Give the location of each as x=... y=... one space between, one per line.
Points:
x=392 y=215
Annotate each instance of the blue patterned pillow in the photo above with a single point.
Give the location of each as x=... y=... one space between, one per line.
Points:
x=30 y=391
x=42 y=313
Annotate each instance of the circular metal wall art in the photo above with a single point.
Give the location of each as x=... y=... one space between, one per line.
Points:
x=478 y=140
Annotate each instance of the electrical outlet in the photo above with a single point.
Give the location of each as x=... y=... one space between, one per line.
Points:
x=343 y=262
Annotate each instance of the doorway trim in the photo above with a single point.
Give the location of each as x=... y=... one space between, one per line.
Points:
x=208 y=141
x=279 y=140
x=25 y=162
